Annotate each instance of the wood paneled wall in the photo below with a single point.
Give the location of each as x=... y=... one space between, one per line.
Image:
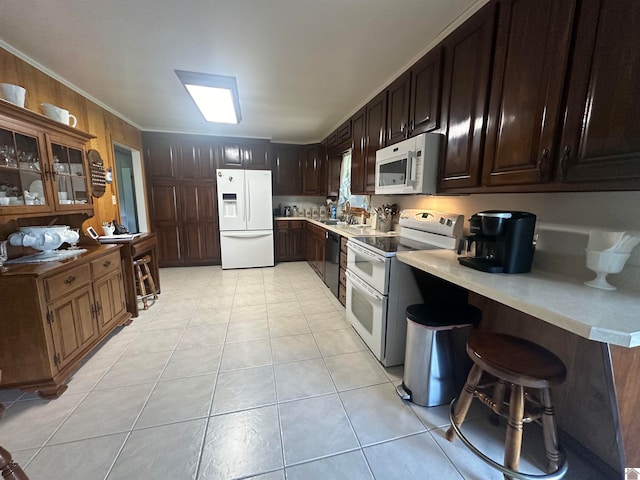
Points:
x=92 y=118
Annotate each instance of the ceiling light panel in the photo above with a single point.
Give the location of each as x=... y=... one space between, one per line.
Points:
x=216 y=96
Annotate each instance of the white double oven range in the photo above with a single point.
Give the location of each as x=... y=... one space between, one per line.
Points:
x=380 y=287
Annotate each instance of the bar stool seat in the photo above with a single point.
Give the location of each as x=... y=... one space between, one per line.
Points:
x=145 y=284
x=512 y=363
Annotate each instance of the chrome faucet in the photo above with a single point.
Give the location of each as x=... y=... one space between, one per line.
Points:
x=350 y=219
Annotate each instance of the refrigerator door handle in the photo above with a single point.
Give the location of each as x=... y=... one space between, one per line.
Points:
x=248 y=204
x=247 y=234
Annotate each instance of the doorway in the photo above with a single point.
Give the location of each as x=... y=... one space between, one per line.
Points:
x=130 y=189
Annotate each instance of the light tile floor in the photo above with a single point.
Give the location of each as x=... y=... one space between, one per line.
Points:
x=242 y=374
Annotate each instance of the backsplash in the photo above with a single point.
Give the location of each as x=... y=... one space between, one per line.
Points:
x=556 y=250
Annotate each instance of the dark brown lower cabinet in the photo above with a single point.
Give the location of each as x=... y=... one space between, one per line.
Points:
x=315 y=247
x=289 y=240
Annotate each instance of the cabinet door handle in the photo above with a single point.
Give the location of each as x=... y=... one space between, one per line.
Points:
x=564 y=161
x=70 y=279
x=106 y=264
x=543 y=157
x=98 y=308
x=47 y=172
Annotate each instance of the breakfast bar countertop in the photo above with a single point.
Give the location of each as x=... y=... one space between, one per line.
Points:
x=604 y=316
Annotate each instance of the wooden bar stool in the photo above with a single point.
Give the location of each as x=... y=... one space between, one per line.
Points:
x=144 y=280
x=516 y=364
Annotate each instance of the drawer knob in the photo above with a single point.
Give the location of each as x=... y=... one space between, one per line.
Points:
x=107 y=263
x=70 y=279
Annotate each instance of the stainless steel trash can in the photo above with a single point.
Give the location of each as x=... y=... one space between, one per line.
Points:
x=436 y=362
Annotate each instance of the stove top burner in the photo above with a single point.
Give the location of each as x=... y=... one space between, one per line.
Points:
x=389 y=246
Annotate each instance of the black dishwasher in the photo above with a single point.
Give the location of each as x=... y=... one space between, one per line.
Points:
x=332 y=262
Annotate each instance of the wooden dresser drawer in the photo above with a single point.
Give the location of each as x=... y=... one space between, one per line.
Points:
x=142 y=246
x=63 y=283
x=106 y=264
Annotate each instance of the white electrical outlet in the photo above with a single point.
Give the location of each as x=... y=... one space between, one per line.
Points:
x=113 y=200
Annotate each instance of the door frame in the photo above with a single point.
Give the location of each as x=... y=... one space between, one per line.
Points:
x=138 y=184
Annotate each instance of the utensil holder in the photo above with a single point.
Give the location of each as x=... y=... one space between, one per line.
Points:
x=384 y=224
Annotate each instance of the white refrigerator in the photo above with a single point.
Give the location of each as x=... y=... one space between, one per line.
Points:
x=246 y=218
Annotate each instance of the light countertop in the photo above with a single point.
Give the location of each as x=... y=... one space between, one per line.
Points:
x=600 y=315
x=344 y=230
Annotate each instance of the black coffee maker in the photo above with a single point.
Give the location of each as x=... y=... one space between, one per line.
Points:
x=503 y=242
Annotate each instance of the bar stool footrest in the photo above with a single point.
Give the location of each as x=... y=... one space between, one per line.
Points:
x=557 y=475
x=530 y=415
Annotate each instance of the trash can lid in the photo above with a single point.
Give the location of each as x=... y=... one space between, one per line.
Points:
x=440 y=314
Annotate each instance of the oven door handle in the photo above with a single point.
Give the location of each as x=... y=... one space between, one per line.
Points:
x=363 y=286
x=366 y=253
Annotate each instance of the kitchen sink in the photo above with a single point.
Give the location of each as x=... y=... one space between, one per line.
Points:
x=331 y=222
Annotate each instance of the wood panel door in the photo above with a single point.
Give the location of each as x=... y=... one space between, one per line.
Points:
x=426 y=93
x=201 y=240
x=314 y=179
x=283 y=253
x=110 y=300
x=376 y=130
x=161 y=153
x=198 y=160
x=601 y=137
x=164 y=210
x=255 y=155
x=466 y=79
x=231 y=155
x=398 y=94
x=296 y=241
x=358 y=151
x=526 y=90
x=73 y=325
x=287 y=169
x=333 y=175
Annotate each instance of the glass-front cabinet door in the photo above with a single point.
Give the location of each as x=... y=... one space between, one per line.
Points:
x=42 y=165
x=70 y=175
x=22 y=179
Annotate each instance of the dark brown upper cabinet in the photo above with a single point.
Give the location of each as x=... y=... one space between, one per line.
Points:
x=287 y=168
x=600 y=144
x=465 y=96
x=376 y=123
x=198 y=159
x=358 y=151
x=161 y=153
x=249 y=154
x=426 y=93
x=314 y=179
x=531 y=57
x=398 y=95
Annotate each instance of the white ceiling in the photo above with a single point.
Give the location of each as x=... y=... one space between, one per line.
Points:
x=302 y=66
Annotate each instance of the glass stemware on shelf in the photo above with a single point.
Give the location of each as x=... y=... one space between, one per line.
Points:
x=73 y=244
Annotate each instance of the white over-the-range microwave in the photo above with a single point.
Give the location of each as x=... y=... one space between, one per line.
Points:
x=410 y=166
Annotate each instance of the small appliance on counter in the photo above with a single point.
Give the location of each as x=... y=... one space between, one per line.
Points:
x=501 y=242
